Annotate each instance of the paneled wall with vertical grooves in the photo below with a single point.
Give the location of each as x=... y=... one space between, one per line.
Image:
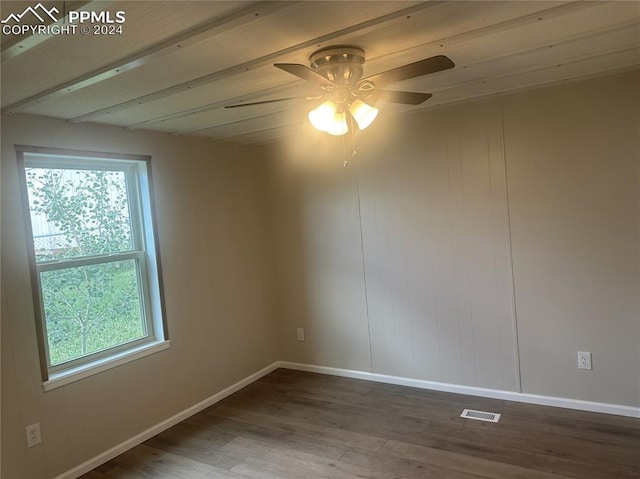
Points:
x=419 y=221
x=482 y=244
x=435 y=235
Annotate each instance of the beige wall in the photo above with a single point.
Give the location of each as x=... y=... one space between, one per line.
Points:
x=318 y=259
x=457 y=236
x=438 y=302
x=573 y=163
x=217 y=279
x=488 y=226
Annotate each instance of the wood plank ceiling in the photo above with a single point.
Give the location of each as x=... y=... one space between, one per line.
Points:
x=177 y=64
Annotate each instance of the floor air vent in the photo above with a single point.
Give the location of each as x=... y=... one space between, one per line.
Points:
x=480 y=415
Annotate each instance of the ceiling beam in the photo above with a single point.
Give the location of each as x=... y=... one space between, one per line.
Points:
x=280 y=89
x=285 y=131
x=254 y=136
x=237 y=121
x=635 y=47
x=553 y=66
x=199 y=33
x=441 y=42
x=289 y=129
x=532 y=86
x=22 y=44
x=257 y=62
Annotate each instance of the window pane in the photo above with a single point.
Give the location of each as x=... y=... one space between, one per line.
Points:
x=91 y=308
x=78 y=212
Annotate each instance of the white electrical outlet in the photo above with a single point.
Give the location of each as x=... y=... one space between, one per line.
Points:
x=33 y=435
x=300 y=333
x=584 y=360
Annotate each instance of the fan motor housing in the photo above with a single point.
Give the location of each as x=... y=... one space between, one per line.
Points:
x=341 y=64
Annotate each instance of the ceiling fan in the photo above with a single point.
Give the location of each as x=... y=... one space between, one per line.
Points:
x=337 y=71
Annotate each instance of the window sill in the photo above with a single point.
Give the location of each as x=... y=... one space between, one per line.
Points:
x=66 y=377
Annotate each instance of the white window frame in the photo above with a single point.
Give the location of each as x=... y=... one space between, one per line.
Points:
x=145 y=253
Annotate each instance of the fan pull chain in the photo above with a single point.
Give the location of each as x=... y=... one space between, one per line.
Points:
x=345 y=162
x=354 y=152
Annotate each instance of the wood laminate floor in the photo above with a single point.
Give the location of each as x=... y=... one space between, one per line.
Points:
x=293 y=424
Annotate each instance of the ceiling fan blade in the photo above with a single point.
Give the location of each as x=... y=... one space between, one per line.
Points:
x=305 y=73
x=412 y=70
x=404 y=97
x=264 y=102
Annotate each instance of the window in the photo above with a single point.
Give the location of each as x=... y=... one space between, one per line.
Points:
x=94 y=260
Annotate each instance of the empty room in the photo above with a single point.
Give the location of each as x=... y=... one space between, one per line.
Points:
x=320 y=239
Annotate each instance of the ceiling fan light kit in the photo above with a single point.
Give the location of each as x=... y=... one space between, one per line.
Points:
x=327 y=118
x=331 y=117
x=362 y=113
x=338 y=70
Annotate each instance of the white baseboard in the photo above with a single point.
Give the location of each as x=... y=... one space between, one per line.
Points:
x=164 y=425
x=578 y=404
x=115 y=451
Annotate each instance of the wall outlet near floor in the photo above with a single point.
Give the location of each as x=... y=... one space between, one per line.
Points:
x=584 y=360
x=300 y=333
x=33 y=435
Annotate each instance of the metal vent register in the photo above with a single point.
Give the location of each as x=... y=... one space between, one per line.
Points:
x=480 y=415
